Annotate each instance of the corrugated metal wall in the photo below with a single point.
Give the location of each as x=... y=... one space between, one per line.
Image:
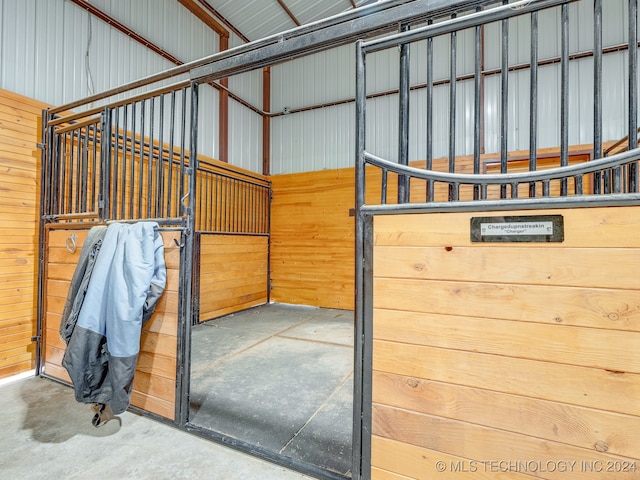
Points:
x=300 y=140
x=43 y=47
x=55 y=52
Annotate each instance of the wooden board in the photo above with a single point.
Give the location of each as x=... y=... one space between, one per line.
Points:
x=506 y=360
x=19 y=205
x=233 y=273
x=155 y=377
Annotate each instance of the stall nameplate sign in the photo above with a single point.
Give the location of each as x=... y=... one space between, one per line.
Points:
x=533 y=228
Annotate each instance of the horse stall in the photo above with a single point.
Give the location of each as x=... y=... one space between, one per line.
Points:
x=494 y=325
x=499 y=309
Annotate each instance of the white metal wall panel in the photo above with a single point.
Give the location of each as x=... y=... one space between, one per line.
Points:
x=313 y=140
x=319 y=78
x=167 y=24
x=249 y=87
x=255 y=19
x=245 y=138
x=307 y=12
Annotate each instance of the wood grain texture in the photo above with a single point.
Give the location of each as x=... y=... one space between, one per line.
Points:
x=233 y=273
x=516 y=352
x=312 y=238
x=19 y=209
x=520 y=453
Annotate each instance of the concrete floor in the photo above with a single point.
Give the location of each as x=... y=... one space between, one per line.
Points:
x=279 y=377
x=46 y=434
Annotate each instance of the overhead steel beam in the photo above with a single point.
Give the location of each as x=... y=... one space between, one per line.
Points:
x=329 y=33
x=321 y=35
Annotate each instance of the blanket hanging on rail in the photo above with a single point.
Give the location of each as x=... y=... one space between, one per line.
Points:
x=104 y=313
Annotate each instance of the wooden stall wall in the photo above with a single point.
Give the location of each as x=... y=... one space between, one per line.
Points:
x=312 y=238
x=313 y=233
x=19 y=193
x=506 y=360
x=233 y=273
x=154 y=387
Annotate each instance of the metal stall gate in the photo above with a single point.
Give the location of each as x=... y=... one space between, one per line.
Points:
x=499 y=313
x=132 y=160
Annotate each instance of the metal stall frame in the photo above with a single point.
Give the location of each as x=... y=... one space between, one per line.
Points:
x=375 y=19
x=614 y=178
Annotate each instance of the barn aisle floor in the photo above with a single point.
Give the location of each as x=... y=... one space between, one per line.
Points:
x=279 y=377
x=46 y=435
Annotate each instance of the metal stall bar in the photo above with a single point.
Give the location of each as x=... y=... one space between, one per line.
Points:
x=429 y=115
x=504 y=106
x=477 y=103
x=403 y=124
x=564 y=96
x=453 y=58
x=361 y=448
x=632 y=178
x=533 y=102
x=597 y=87
x=186 y=277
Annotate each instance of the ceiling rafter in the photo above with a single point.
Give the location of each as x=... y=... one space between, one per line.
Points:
x=199 y=11
x=289 y=12
x=223 y=20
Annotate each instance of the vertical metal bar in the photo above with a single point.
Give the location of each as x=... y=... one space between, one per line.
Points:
x=564 y=96
x=403 y=121
x=123 y=190
x=385 y=175
x=72 y=171
x=577 y=185
x=182 y=146
x=217 y=203
x=85 y=169
x=171 y=146
x=545 y=188
x=58 y=162
x=454 y=192
x=63 y=174
x=116 y=164
x=533 y=102
x=150 y=166
x=504 y=117
x=597 y=92
x=477 y=106
x=45 y=189
x=514 y=190
x=132 y=166
x=160 y=179
x=199 y=180
x=429 y=115
x=617 y=180
x=234 y=205
x=105 y=151
x=633 y=92
x=186 y=268
x=78 y=176
x=453 y=60
x=361 y=441
x=143 y=105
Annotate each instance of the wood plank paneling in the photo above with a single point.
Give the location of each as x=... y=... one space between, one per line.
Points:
x=525 y=354
x=233 y=273
x=312 y=238
x=155 y=378
x=19 y=210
